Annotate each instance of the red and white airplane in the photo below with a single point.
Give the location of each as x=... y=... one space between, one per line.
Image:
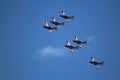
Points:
x=49 y=28
x=66 y=17
x=71 y=47
x=78 y=41
x=56 y=23
x=96 y=63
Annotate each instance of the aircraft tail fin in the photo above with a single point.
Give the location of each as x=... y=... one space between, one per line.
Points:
x=68 y=43
x=46 y=24
x=63 y=13
x=76 y=38
x=92 y=59
x=53 y=19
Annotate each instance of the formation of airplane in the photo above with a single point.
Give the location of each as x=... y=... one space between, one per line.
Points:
x=70 y=47
x=49 y=28
x=57 y=23
x=78 y=46
x=96 y=63
x=66 y=17
x=76 y=40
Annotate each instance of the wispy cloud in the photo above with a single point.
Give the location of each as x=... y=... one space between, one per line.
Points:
x=91 y=38
x=51 y=51
x=91 y=42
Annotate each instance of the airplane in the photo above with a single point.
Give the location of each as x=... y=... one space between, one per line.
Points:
x=56 y=23
x=49 y=28
x=71 y=47
x=96 y=63
x=77 y=41
x=66 y=17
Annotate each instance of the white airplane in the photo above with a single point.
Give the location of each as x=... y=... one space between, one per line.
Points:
x=78 y=41
x=66 y=17
x=49 y=28
x=71 y=47
x=96 y=63
x=56 y=23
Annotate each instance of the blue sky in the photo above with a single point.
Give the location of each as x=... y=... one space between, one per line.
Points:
x=30 y=52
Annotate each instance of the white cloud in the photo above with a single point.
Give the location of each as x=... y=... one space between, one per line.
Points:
x=52 y=51
x=91 y=42
x=91 y=38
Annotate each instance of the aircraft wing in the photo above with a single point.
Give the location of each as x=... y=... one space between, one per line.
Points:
x=96 y=66
x=72 y=50
x=50 y=31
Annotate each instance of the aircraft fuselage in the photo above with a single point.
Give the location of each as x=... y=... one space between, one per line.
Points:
x=47 y=27
x=66 y=17
x=77 y=41
x=69 y=46
x=55 y=22
x=95 y=62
